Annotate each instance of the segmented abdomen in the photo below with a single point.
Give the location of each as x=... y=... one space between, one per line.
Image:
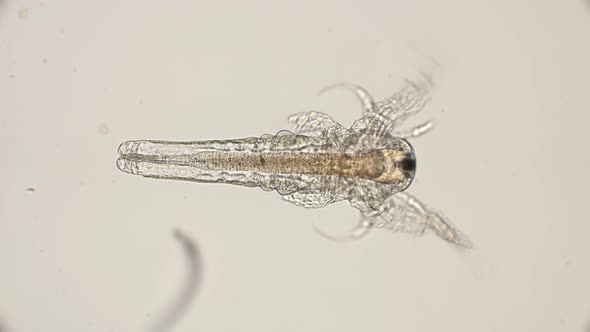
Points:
x=367 y=166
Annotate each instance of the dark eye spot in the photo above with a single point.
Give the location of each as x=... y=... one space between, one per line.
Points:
x=408 y=164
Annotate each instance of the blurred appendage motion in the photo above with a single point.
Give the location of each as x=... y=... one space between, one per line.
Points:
x=370 y=164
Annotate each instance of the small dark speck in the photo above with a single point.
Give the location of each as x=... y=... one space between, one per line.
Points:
x=103 y=129
x=44 y=60
x=11 y=75
x=31 y=189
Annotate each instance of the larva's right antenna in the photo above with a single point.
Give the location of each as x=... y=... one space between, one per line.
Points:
x=367 y=101
x=356 y=233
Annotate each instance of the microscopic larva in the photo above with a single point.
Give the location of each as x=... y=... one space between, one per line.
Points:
x=321 y=162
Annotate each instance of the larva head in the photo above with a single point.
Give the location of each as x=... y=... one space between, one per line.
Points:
x=399 y=164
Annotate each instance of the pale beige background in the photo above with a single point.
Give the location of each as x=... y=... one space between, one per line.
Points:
x=91 y=248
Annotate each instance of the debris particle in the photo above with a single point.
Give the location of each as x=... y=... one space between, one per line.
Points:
x=192 y=283
x=103 y=129
x=23 y=13
x=31 y=189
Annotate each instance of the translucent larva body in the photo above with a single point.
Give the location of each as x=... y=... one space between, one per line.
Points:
x=369 y=164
